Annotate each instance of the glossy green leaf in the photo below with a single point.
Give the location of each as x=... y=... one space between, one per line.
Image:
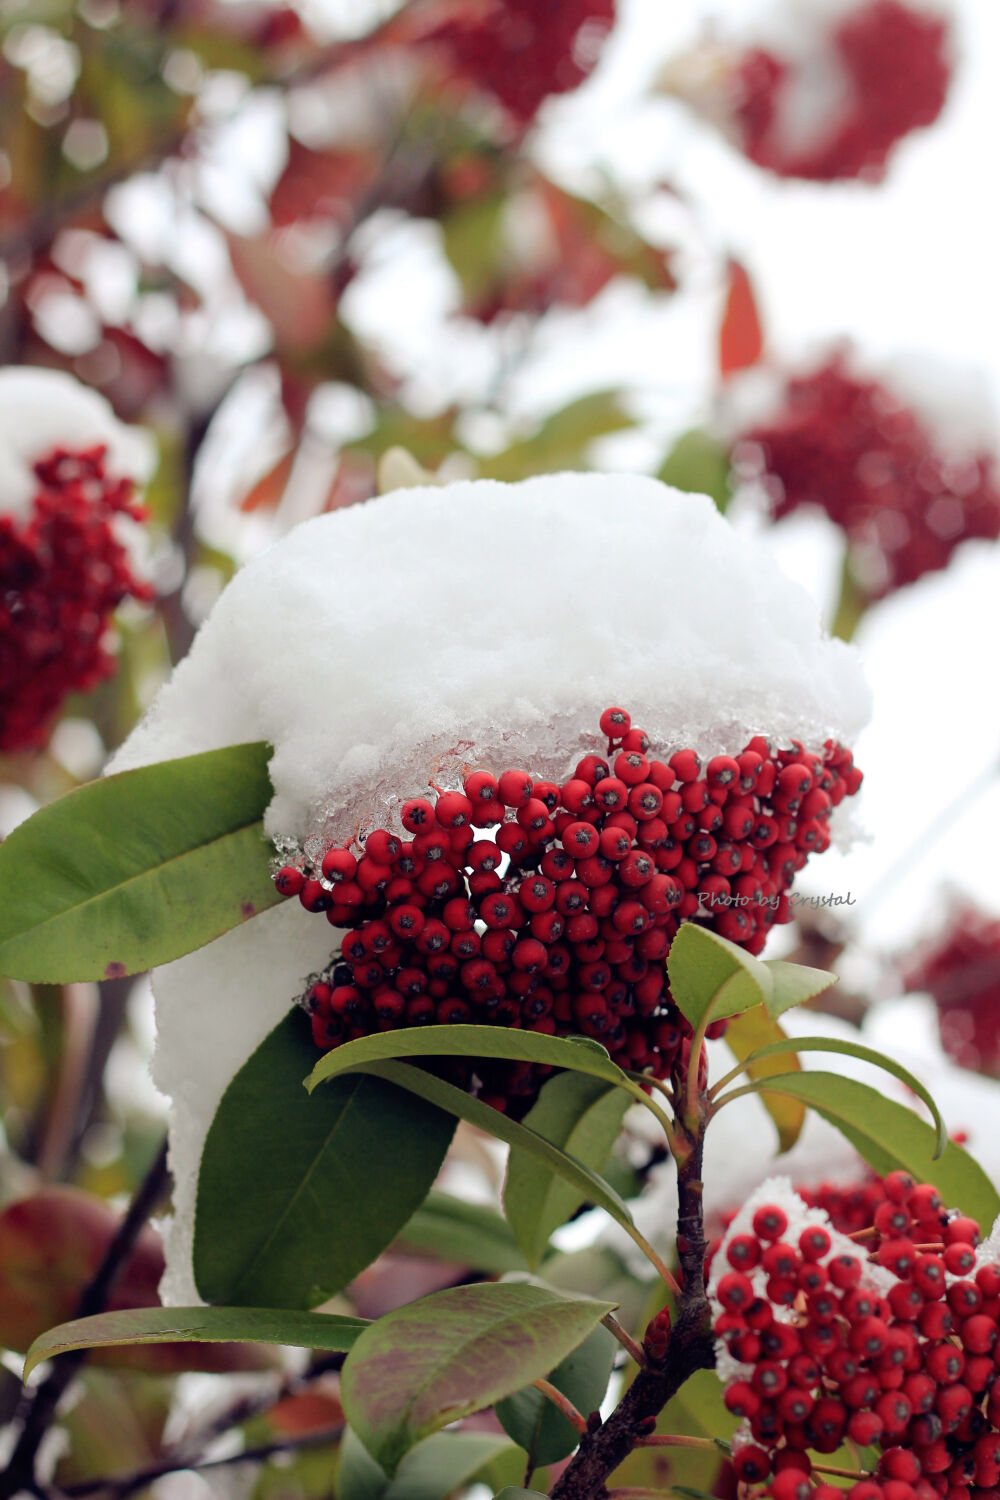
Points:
x=577 y=1053
x=430 y=1363
x=202 y=1325
x=298 y=1193
x=514 y=1492
x=136 y=869
x=536 y=1424
x=890 y=1136
x=459 y=1103
x=698 y=464
x=711 y=978
x=464 y=1234
x=745 y=1036
x=563 y=439
x=583 y=1116
x=863 y=1054
x=440 y=1464
x=793 y=984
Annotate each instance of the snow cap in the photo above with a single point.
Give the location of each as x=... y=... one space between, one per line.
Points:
x=503 y=619
x=499 y=620
x=45 y=409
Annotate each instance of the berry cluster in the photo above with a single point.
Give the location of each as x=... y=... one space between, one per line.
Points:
x=62 y=572
x=896 y=63
x=961 y=970
x=525 y=903
x=851 y=447
x=887 y=1339
x=521 y=52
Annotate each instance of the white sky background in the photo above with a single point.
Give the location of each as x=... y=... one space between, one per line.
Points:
x=908 y=265
x=911 y=264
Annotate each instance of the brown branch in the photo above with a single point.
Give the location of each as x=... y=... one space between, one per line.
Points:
x=690 y=1349
x=41 y=1404
x=127 y=1484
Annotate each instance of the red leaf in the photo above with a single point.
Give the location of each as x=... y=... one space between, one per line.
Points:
x=741 y=339
x=51 y=1244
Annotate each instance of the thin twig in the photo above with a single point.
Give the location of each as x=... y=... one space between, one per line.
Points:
x=20 y=1472
x=563 y=1403
x=127 y=1484
x=624 y=1338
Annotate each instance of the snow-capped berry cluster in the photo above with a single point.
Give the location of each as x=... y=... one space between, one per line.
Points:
x=521 y=52
x=527 y=903
x=893 y=64
x=960 y=968
x=63 y=570
x=852 y=447
x=889 y=1338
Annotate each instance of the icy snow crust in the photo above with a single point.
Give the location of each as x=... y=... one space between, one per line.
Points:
x=391 y=643
x=368 y=643
x=45 y=409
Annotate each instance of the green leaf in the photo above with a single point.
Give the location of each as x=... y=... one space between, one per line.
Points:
x=430 y=1363
x=536 y=1424
x=514 y=1492
x=793 y=984
x=471 y=239
x=577 y=1053
x=746 y=1036
x=201 y=1325
x=442 y=1463
x=457 y=1102
x=863 y=1054
x=465 y=1234
x=297 y=1194
x=582 y=1115
x=136 y=869
x=597 y=1271
x=890 y=1136
x=698 y=465
x=711 y=978
x=562 y=440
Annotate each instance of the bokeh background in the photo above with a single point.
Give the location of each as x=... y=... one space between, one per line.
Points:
x=509 y=238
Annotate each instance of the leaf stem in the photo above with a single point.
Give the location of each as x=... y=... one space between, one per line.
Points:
x=676 y=1440
x=641 y=1097
x=628 y=1343
x=564 y=1404
x=655 y=1260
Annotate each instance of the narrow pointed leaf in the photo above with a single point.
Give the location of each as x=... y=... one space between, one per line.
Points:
x=532 y=1420
x=745 y=1036
x=202 y=1325
x=711 y=978
x=793 y=984
x=778 y=1049
x=583 y=1116
x=577 y=1053
x=296 y=1193
x=453 y=1353
x=890 y=1136
x=136 y=869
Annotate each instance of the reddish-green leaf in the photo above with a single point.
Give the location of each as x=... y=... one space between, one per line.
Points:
x=453 y=1353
